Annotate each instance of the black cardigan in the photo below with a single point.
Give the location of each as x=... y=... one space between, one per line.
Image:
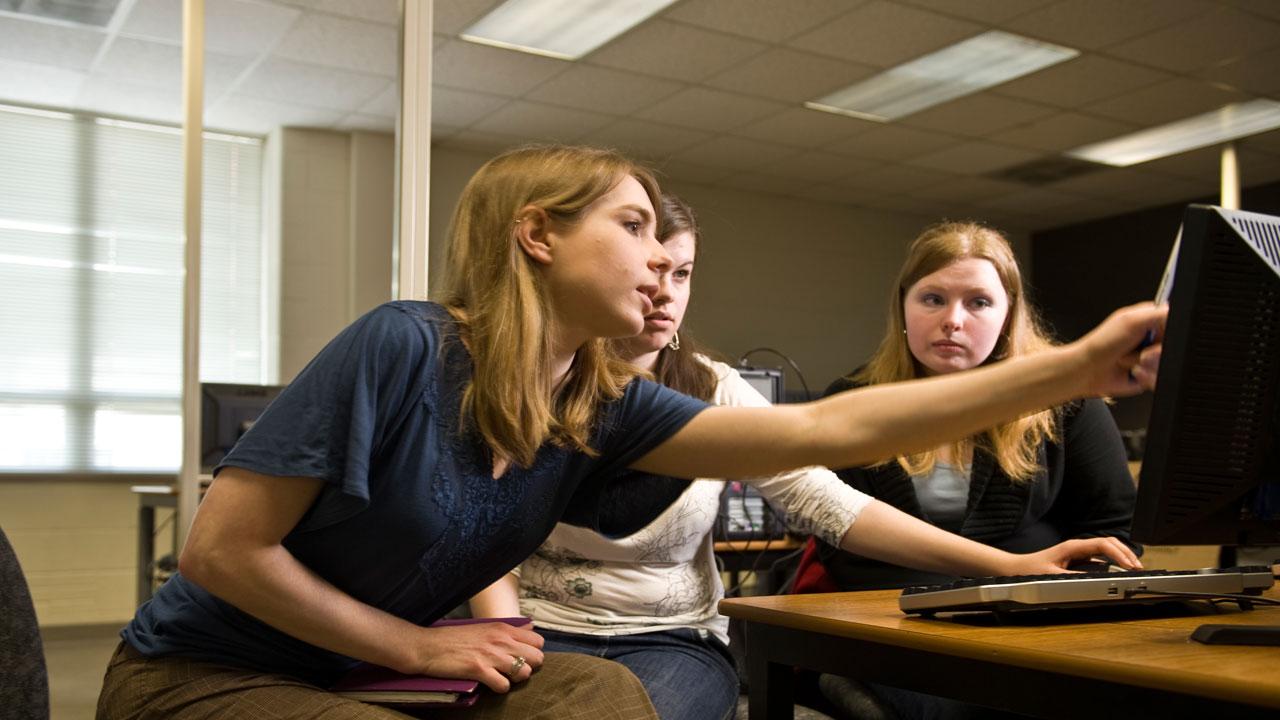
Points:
x=1083 y=490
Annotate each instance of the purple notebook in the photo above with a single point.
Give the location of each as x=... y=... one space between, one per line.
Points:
x=384 y=686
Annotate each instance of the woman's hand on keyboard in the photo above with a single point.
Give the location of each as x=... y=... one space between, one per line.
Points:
x=1056 y=559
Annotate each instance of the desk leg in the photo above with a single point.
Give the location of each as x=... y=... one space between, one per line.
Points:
x=771 y=689
x=146 y=550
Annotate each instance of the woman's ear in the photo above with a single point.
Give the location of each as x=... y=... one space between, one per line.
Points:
x=532 y=226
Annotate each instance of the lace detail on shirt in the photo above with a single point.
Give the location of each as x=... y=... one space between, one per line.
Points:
x=481 y=511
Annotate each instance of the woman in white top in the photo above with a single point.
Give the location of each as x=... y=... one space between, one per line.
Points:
x=649 y=599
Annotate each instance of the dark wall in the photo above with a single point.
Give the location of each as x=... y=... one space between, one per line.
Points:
x=1081 y=273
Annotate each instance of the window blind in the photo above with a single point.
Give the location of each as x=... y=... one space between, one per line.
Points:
x=91 y=268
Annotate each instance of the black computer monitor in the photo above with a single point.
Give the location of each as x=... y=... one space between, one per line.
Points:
x=1211 y=468
x=226 y=411
x=768 y=381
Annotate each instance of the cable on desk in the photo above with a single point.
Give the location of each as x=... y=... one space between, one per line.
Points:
x=1212 y=598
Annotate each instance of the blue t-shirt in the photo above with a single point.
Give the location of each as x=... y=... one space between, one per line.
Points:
x=410 y=519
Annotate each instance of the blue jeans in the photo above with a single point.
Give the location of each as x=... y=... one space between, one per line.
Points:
x=688 y=676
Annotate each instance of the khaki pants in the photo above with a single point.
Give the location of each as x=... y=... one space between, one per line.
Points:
x=567 y=686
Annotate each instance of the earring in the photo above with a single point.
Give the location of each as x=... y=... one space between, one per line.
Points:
x=675 y=342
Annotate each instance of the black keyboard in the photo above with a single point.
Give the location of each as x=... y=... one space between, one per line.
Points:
x=1082 y=589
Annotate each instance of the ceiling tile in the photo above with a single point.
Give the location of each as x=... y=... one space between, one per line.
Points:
x=1254 y=73
x=40 y=43
x=38 y=84
x=646 y=139
x=1137 y=186
x=368 y=123
x=980 y=115
x=861 y=35
x=1082 y=210
x=460 y=108
x=984 y=11
x=343 y=43
x=802 y=127
x=672 y=50
x=1255 y=167
x=897 y=179
x=235 y=27
x=603 y=89
x=735 y=153
x=383 y=11
x=542 y=123
x=241 y=113
x=759 y=183
x=481 y=142
x=286 y=81
x=881 y=141
x=677 y=170
x=1202 y=42
x=1063 y=132
x=790 y=75
x=441 y=132
x=159 y=65
x=1265 y=9
x=1085 y=79
x=1268 y=142
x=1168 y=101
x=965 y=190
x=1095 y=24
x=112 y=97
x=767 y=20
x=707 y=109
x=818 y=167
x=454 y=16
x=974 y=158
x=468 y=66
x=1028 y=200
x=387 y=102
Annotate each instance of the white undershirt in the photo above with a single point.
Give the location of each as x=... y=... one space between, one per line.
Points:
x=664 y=576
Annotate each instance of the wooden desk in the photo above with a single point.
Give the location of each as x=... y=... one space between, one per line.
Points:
x=1114 y=667
x=739 y=556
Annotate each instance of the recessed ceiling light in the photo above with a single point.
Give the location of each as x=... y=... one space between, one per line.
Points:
x=1228 y=122
x=975 y=64
x=563 y=29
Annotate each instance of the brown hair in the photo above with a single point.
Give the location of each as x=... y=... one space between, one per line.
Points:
x=1014 y=444
x=680 y=369
x=496 y=294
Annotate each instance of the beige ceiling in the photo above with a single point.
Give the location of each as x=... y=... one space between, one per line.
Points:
x=711 y=91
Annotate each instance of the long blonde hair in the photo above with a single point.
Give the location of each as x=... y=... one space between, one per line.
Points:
x=1015 y=445
x=495 y=292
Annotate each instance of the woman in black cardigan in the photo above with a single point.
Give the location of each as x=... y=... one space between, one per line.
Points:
x=1061 y=473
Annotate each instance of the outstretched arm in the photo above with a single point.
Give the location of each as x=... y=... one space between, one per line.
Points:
x=234 y=551
x=885 y=533
x=866 y=425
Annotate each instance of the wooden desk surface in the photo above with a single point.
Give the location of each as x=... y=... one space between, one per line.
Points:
x=787 y=543
x=1155 y=653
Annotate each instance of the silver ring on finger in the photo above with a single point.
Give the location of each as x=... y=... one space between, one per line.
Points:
x=517 y=662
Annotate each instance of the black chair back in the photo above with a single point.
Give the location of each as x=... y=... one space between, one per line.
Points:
x=24 y=681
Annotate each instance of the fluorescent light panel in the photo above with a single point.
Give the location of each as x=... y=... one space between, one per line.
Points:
x=976 y=64
x=563 y=29
x=1228 y=122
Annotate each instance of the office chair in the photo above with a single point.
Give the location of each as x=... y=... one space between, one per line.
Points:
x=24 y=680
